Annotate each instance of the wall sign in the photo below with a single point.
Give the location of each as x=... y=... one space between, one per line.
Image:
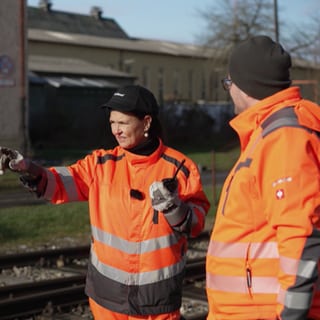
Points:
x=6 y=70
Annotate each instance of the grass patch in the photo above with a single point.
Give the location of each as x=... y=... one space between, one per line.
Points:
x=221 y=161
x=44 y=223
x=64 y=155
x=9 y=182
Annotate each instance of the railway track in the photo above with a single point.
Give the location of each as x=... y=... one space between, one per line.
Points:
x=44 y=257
x=24 y=296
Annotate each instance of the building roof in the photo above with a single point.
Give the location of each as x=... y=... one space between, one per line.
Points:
x=139 y=45
x=72 y=66
x=93 y=30
x=82 y=82
x=44 y=18
x=302 y=63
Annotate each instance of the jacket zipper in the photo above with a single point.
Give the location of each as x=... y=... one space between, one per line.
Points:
x=248 y=271
x=227 y=194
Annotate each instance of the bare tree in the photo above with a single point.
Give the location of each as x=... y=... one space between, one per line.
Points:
x=304 y=40
x=231 y=21
x=228 y=22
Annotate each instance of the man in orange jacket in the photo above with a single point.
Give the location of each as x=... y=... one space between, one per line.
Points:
x=263 y=256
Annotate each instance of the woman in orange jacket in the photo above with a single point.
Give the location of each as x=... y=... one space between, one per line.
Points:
x=145 y=199
x=263 y=256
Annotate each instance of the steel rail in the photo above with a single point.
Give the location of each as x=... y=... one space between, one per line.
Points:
x=43 y=256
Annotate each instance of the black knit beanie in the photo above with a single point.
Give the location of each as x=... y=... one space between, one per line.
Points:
x=260 y=67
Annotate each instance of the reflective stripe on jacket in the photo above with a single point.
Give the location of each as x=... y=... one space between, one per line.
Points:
x=137 y=260
x=263 y=256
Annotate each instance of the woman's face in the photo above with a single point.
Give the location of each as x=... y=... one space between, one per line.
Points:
x=128 y=129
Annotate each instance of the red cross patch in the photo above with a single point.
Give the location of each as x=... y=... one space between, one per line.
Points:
x=280 y=194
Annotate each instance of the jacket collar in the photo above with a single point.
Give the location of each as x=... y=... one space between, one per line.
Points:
x=249 y=120
x=145 y=160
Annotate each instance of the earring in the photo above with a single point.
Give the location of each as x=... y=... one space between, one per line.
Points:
x=146 y=134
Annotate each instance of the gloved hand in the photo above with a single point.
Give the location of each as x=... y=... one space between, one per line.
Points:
x=165 y=198
x=4 y=162
x=164 y=194
x=10 y=159
x=33 y=176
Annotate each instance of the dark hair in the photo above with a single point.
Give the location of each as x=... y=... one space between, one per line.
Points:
x=155 y=130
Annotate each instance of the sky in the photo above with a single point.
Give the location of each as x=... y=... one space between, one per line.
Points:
x=171 y=20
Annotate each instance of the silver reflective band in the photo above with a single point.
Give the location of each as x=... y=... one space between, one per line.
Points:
x=68 y=183
x=133 y=247
x=141 y=278
x=298 y=300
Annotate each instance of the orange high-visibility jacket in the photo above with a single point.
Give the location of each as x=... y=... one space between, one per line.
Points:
x=137 y=259
x=262 y=260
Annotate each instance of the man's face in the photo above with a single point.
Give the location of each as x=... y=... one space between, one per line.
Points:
x=239 y=98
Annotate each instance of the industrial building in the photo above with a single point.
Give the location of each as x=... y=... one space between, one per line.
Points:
x=73 y=63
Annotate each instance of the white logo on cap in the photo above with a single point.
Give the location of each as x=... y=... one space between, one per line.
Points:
x=119 y=94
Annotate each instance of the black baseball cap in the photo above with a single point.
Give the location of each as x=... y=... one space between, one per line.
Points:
x=135 y=99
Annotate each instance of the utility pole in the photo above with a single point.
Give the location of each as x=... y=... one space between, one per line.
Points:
x=276 y=22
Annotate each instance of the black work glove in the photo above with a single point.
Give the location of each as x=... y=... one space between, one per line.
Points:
x=164 y=194
x=33 y=176
x=165 y=198
x=9 y=159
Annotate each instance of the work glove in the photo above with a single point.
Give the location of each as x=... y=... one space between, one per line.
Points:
x=164 y=197
x=9 y=159
x=14 y=160
x=32 y=176
x=164 y=194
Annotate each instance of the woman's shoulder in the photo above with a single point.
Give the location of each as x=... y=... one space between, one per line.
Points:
x=100 y=152
x=178 y=155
